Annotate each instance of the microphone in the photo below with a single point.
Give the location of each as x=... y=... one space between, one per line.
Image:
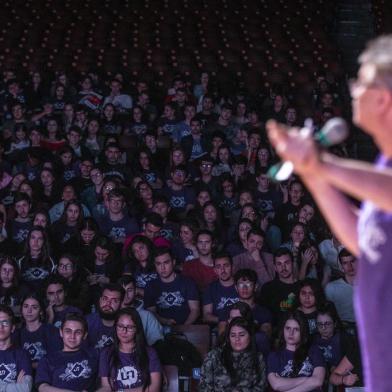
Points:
x=333 y=132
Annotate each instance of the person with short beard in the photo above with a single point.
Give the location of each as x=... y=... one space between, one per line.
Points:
x=101 y=324
x=220 y=294
x=279 y=294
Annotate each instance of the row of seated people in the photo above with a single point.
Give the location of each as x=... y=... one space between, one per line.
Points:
x=53 y=340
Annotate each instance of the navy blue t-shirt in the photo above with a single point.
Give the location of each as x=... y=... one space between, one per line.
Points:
x=99 y=335
x=220 y=297
x=44 y=340
x=171 y=299
x=330 y=348
x=281 y=362
x=73 y=370
x=19 y=231
x=12 y=361
x=59 y=316
x=118 y=230
x=178 y=200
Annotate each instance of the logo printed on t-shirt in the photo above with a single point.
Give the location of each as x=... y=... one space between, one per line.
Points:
x=225 y=302
x=177 y=202
x=117 y=232
x=170 y=299
x=21 y=235
x=128 y=376
x=35 y=349
x=104 y=341
x=7 y=373
x=306 y=369
x=326 y=351
x=35 y=273
x=76 y=370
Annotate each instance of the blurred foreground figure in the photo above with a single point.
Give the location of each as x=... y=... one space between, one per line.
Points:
x=366 y=233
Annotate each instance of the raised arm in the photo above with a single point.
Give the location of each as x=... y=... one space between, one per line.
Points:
x=324 y=180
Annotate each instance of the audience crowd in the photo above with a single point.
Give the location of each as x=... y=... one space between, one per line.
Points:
x=123 y=216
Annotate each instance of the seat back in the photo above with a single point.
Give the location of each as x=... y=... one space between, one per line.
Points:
x=171 y=378
x=198 y=335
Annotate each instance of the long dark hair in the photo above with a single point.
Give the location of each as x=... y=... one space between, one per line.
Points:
x=38 y=298
x=303 y=348
x=63 y=218
x=318 y=292
x=45 y=250
x=5 y=259
x=7 y=293
x=329 y=309
x=227 y=350
x=141 y=354
x=132 y=258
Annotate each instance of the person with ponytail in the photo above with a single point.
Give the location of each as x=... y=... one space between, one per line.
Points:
x=129 y=364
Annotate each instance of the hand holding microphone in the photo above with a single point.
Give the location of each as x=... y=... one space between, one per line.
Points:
x=299 y=149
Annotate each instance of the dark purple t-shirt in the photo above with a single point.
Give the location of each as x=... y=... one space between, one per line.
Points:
x=281 y=362
x=118 y=230
x=330 y=348
x=45 y=339
x=12 y=361
x=220 y=297
x=59 y=316
x=129 y=375
x=373 y=294
x=171 y=299
x=99 y=335
x=74 y=370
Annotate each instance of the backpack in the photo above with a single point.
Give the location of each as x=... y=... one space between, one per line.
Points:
x=175 y=349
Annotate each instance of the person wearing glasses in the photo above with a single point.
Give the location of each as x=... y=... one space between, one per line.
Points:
x=153 y=330
x=129 y=364
x=74 y=368
x=333 y=342
x=365 y=233
x=16 y=372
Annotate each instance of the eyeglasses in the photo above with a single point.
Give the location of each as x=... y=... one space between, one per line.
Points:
x=204 y=165
x=354 y=84
x=324 y=325
x=5 y=323
x=243 y=285
x=65 y=266
x=126 y=328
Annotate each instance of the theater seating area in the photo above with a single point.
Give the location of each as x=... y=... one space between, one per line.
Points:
x=257 y=42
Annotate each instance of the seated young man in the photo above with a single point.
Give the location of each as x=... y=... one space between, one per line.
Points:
x=201 y=270
x=57 y=308
x=181 y=198
x=245 y=281
x=151 y=326
x=101 y=323
x=117 y=224
x=73 y=368
x=15 y=365
x=173 y=298
x=220 y=294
